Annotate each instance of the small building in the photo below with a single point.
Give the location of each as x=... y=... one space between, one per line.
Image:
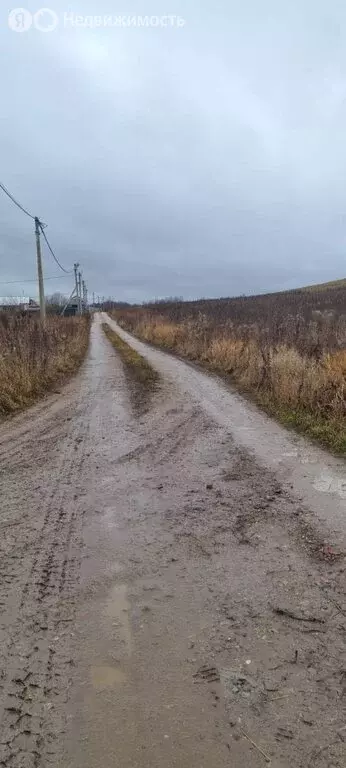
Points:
x=18 y=304
x=72 y=308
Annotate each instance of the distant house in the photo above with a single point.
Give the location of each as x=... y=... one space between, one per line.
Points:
x=72 y=308
x=18 y=304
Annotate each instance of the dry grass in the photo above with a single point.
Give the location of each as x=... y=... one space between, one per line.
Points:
x=135 y=363
x=305 y=390
x=326 y=286
x=34 y=359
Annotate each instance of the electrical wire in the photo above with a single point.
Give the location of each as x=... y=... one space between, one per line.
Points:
x=41 y=225
x=31 y=280
x=2 y=186
x=67 y=271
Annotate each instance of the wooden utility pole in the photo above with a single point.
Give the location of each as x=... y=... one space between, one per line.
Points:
x=81 y=303
x=40 y=271
x=75 y=267
x=85 y=295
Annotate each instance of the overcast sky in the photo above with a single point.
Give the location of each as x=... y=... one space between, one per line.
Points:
x=207 y=159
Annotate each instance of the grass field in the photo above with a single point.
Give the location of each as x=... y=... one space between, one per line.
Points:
x=332 y=284
x=34 y=359
x=287 y=350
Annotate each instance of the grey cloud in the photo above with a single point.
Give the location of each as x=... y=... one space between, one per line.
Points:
x=204 y=160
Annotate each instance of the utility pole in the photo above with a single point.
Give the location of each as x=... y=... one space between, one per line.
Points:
x=40 y=271
x=80 y=293
x=75 y=267
x=94 y=299
x=85 y=295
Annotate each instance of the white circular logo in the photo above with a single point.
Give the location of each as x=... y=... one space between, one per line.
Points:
x=46 y=20
x=19 y=20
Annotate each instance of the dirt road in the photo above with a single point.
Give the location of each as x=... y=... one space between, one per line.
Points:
x=172 y=580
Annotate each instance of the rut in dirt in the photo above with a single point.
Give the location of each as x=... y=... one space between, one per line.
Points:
x=168 y=597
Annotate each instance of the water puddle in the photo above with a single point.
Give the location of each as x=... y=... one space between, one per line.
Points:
x=105 y=677
x=117 y=608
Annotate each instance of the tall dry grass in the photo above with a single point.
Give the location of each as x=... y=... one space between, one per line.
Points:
x=306 y=390
x=34 y=358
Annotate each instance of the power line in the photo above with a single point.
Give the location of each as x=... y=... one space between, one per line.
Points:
x=2 y=186
x=31 y=280
x=21 y=207
x=39 y=228
x=67 y=271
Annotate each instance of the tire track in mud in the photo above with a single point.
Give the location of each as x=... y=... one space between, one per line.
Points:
x=168 y=444
x=206 y=541
x=36 y=668
x=264 y=543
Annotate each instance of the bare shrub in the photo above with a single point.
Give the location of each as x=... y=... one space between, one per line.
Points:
x=288 y=349
x=33 y=358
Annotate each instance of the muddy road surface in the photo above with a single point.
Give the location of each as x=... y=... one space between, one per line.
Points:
x=172 y=579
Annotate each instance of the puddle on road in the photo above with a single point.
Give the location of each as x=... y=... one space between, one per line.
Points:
x=117 y=608
x=105 y=677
